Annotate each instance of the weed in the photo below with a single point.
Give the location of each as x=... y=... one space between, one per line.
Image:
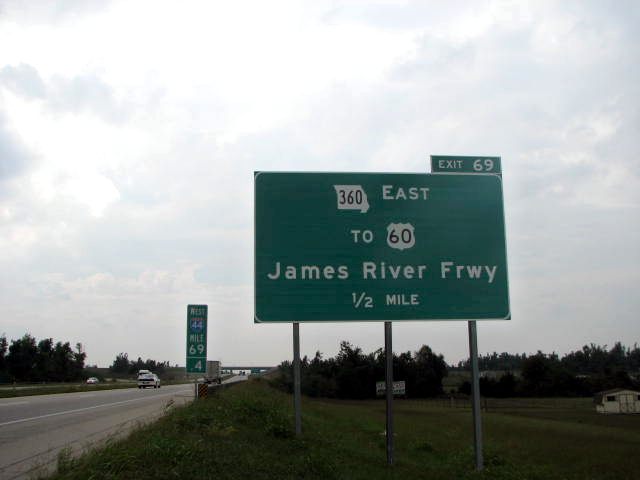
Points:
x=65 y=460
x=422 y=446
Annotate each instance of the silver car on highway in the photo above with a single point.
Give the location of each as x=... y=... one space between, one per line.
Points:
x=148 y=379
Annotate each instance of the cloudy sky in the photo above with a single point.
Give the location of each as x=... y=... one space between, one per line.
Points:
x=130 y=131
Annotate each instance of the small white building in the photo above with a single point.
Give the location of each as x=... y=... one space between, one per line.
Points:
x=618 y=400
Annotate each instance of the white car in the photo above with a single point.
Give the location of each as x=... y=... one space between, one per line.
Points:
x=92 y=380
x=148 y=379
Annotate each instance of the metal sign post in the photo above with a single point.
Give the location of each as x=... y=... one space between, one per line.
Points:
x=296 y=378
x=448 y=164
x=388 y=351
x=475 y=391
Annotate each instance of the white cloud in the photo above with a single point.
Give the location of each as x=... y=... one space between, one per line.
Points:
x=135 y=129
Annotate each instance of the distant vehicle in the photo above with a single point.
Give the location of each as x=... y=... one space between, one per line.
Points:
x=92 y=380
x=213 y=374
x=148 y=379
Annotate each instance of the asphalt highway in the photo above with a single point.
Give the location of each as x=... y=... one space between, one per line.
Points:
x=34 y=429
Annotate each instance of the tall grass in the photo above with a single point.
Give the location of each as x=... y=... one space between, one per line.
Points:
x=246 y=432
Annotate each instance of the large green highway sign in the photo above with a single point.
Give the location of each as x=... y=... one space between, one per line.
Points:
x=196 y=338
x=373 y=246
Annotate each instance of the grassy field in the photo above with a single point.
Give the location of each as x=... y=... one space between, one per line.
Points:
x=246 y=432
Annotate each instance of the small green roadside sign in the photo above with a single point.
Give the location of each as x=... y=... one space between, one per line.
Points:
x=457 y=164
x=196 y=338
x=379 y=247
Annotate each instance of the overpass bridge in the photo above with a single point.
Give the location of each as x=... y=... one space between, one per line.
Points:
x=251 y=367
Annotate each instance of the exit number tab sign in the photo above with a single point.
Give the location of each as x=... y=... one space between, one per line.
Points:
x=456 y=164
x=376 y=246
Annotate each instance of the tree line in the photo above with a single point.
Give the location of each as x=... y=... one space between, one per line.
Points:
x=353 y=374
x=584 y=372
x=26 y=360
x=591 y=359
x=123 y=366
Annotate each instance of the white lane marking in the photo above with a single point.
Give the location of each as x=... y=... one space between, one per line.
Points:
x=13 y=422
x=14 y=403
